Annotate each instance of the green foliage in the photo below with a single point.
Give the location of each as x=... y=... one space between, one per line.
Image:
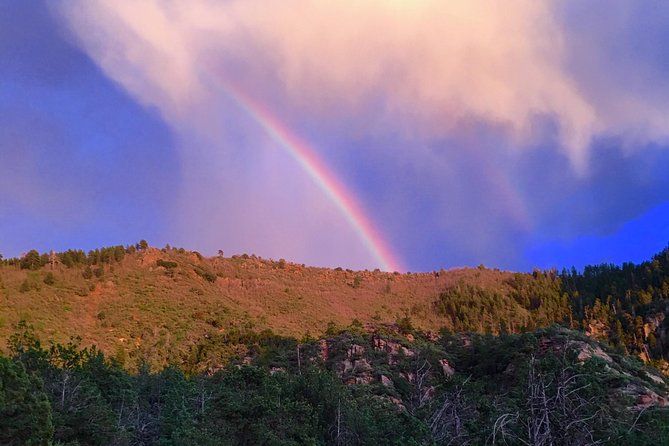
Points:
x=49 y=278
x=206 y=275
x=31 y=260
x=404 y=323
x=623 y=305
x=108 y=255
x=332 y=328
x=237 y=385
x=519 y=379
x=87 y=273
x=655 y=421
x=166 y=264
x=531 y=301
x=71 y=258
x=25 y=286
x=25 y=412
x=32 y=282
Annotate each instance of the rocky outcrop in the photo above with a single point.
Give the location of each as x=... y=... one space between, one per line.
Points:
x=655 y=378
x=393 y=348
x=355 y=350
x=648 y=399
x=387 y=382
x=587 y=351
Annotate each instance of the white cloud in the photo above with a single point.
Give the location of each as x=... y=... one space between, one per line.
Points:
x=420 y=67
x=434 y=63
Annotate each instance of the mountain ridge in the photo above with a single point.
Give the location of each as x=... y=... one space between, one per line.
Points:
x=139 y=302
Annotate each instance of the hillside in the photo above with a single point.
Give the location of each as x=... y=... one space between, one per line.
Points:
x=164 y=306
x=137 y=345
x=378 y=386
x=154 y=301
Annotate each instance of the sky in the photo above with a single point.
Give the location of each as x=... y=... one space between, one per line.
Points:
x=365 y=134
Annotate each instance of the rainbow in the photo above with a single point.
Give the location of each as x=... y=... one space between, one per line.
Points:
x=307 y=159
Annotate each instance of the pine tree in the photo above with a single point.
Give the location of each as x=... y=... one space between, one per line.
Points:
x=25 y=413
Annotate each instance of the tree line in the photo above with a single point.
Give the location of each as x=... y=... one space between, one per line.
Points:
x=34 y=260
x=626 y=306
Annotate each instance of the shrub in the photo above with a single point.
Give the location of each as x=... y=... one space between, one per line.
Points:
x=166 y=264
x=405 y=324
x=206 y=275
x=25 y=286
x=32 y=282
x=49 y=279
x=25 y=412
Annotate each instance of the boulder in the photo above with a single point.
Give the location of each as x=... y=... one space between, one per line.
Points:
x=365 y=379
x=346 y=367
x=387 y=382
x=407 y=352
x=587 y=351
x=362 y=365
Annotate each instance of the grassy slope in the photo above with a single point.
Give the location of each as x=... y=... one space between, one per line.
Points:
x=136 y=304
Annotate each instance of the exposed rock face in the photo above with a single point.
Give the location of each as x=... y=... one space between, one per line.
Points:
x=362 y=365
x=347 y=367
x=587 y=351
x=149 y=256
x=407 y=352
x=387 y=382
x=393 y=348
x=655 y=378
x=358 y=371
x=650 y=399
x=397 y=402
x=365 y=379
x=357 y=364
x=379 y=343
x=355 y=350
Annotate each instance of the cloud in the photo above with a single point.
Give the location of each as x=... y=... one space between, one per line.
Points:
x=418 y=76
x=432 y=63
